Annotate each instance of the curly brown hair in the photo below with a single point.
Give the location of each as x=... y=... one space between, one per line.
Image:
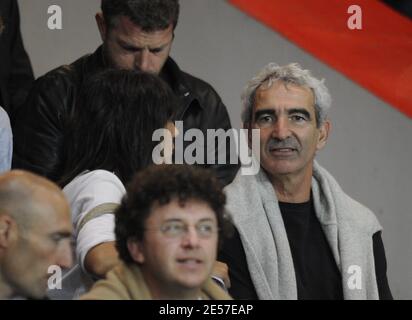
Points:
x=159 y=185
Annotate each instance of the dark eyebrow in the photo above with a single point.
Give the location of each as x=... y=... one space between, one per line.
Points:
x=180 y=220
x=130 y=46
x=301 y=111
x=205 y=219
x=160 y=47
x=173 y=220
x=264 y=111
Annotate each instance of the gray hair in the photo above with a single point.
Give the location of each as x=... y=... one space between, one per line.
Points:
x=288 y=74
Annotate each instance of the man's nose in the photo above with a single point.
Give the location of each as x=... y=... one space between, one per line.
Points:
x=191 y=238
x=142 y=60
x=281 y=129
x=65 y=257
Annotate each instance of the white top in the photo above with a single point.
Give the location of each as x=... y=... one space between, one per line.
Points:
x=84 y=193
x=6 y=141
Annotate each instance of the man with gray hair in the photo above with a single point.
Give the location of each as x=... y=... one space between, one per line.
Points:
x=299 y=236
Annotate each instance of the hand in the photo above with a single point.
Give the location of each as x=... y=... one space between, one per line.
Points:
x=221 y=271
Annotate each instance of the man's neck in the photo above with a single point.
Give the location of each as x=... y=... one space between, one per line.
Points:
x=161 y=291
x=164 y=293
x=176 y=295
x=293 y=188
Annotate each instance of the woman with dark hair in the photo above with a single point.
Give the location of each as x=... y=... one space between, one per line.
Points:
x=109 y=139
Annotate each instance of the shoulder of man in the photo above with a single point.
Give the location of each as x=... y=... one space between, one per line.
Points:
x=110 y=288
x=67 y=74
x=54 y=92
x=240 y=188
x=202 y=90
x=355 y=215
x=38 y=124
x=361 y=217
x=190 y=84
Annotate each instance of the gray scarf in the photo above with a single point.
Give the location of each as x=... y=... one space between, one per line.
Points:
x=348 y=226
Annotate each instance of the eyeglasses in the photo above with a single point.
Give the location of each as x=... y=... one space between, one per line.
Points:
x=177 y=229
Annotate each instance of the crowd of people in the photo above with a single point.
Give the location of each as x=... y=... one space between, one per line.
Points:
x=81 y=188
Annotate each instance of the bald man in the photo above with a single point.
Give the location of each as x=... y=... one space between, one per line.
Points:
x=35 y=231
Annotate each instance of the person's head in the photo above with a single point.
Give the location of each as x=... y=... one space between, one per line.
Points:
x=290 y=107
x=169 y=223
x=138 y=34
x=112 y=124
x=35 y=233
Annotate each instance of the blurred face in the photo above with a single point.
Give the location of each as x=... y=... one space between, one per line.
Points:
x=179 y=248
x=289 y=137
x=31 y=252
x=128 y=47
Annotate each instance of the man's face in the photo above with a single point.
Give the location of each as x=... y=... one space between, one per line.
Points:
x=179 y=247
x=128 y=47
x=46 y=242
x=289 y=137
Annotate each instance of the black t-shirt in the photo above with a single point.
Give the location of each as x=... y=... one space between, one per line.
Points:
x=317 y=275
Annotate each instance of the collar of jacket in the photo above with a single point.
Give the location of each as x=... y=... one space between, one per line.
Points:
x=171 y=73
x=177 y=80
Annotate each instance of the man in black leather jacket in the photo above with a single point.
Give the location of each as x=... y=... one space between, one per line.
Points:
x=136 y=34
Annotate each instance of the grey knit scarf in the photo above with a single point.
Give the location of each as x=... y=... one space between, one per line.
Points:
x=348 y=227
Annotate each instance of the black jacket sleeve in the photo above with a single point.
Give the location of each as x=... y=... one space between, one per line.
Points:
x=381 y=267
x=225 y=167
x=38 y=126
x=205 y=110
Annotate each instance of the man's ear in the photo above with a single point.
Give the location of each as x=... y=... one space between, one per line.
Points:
x=101 y=24
x=136 y=250
x=323 y=134
x=6 y=230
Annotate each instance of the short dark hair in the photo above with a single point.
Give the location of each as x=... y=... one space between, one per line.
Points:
x=112 y=123
x=150 y=15
x=160 y=185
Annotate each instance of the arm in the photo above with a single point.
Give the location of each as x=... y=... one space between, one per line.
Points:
x=38 y=125
x=221 y=272
x=98 y=199
x=101 y=258
x=95 y=245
